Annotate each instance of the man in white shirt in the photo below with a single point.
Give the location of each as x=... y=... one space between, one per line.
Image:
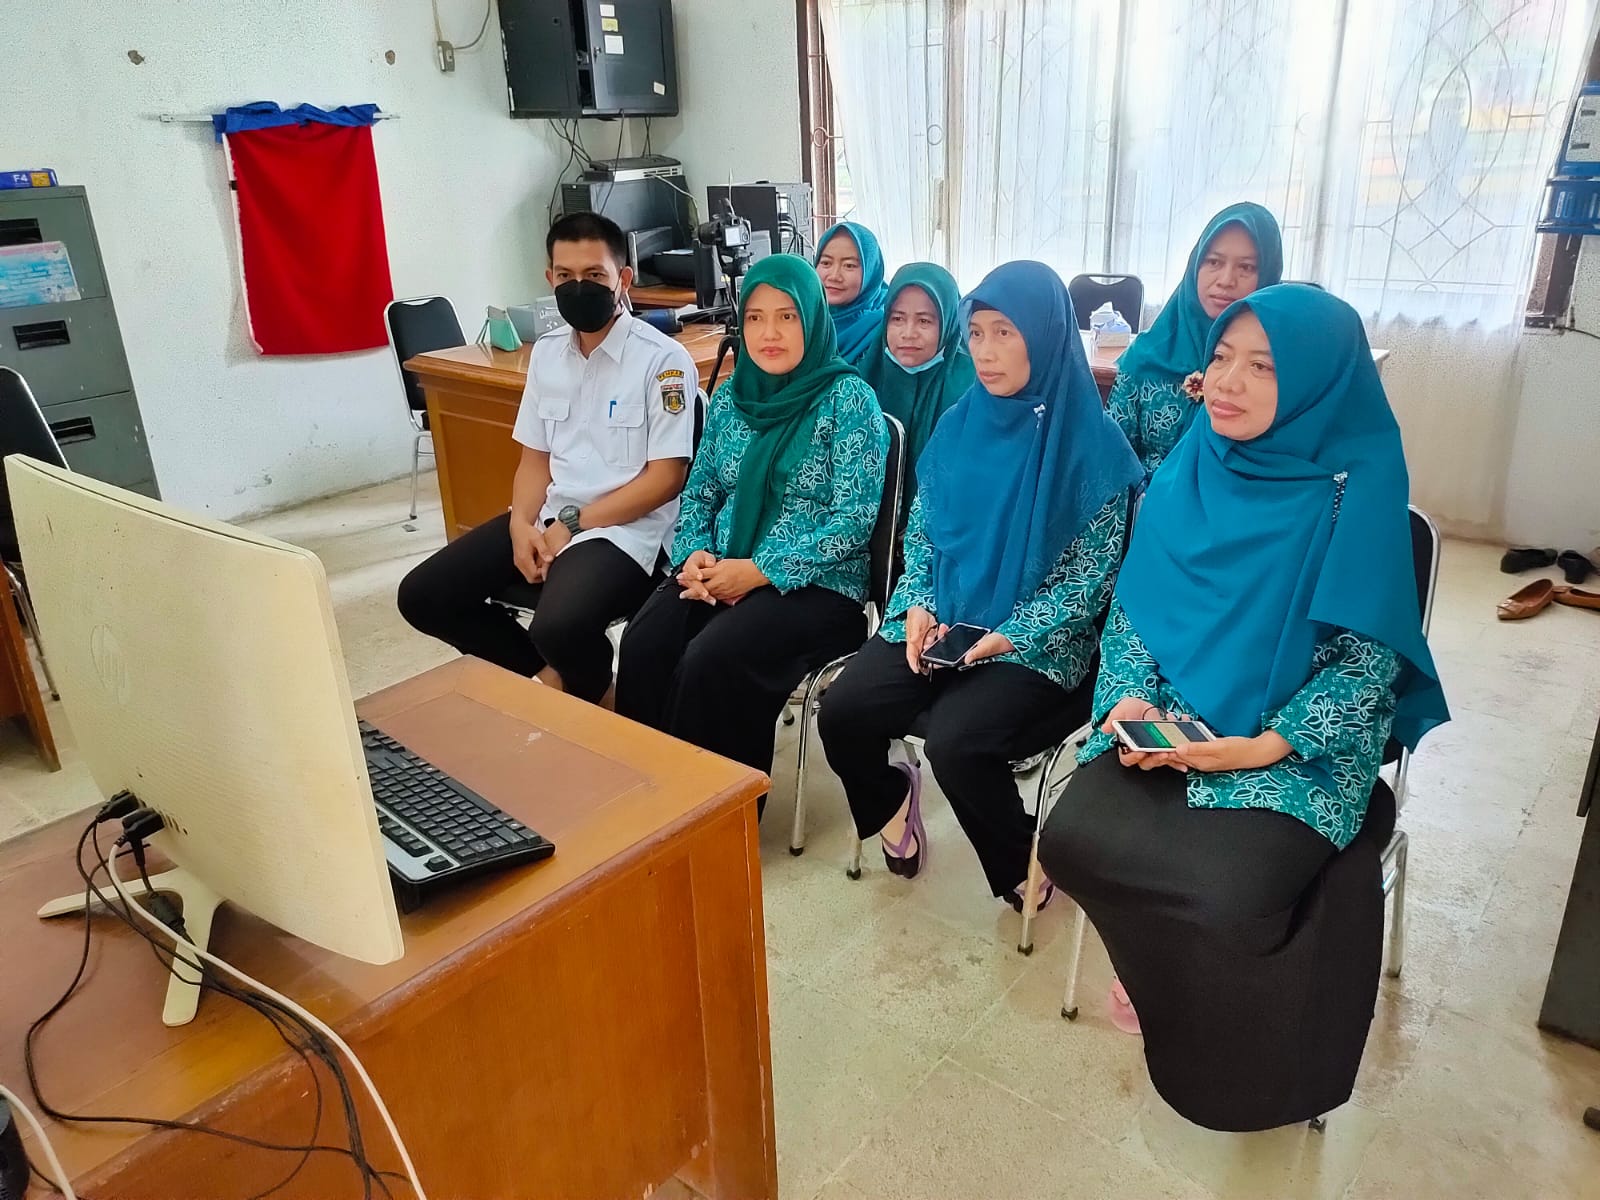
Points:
x=606 y=427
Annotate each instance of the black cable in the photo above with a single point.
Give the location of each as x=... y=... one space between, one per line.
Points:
x=266 y=1007
x=1574 y=329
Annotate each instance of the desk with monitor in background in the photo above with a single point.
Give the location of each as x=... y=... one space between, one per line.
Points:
x=473 y=393
x=592 y=1025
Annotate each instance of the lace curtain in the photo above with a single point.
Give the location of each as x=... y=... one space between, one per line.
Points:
x=1402 y=146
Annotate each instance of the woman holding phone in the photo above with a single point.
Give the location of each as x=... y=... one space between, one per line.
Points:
x=1269 y=593
x=1016 y=530
x=1241 y=250
x=850 y=266
x=772 y=533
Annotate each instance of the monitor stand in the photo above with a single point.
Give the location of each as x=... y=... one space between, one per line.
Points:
x=198 y=904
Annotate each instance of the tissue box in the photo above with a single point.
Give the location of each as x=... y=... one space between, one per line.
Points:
x=1106 y=339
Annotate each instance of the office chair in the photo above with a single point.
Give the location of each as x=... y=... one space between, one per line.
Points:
x=23 y=430
x=1425 y=545
x=881 y=579
x=416 y=326
x=1126 y=293
x=522 y=596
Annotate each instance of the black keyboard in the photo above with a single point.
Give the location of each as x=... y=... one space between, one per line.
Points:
x=435 y=830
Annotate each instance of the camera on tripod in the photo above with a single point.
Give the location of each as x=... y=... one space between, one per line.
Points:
x=722 y=254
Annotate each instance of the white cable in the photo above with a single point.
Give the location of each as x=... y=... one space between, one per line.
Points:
x=63 y=1184
x=239 y=976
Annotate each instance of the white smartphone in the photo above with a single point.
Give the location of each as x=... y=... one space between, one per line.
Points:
x=949 y=650
x=1164 y=736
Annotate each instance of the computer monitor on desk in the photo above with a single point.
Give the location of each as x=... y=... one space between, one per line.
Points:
x=200 y=669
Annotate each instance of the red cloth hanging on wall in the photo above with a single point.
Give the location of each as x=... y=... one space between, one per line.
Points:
x=314 y=258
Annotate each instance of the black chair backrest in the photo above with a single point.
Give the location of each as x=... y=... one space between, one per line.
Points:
x=885 y=531
x=416 y=327
x=1126 y=293
x=1424 y=562
x=701 y=403
x=23 y=430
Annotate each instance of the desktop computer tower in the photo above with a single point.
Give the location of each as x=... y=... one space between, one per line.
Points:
x=764 y=205
x=654 y=202
x=589 y=58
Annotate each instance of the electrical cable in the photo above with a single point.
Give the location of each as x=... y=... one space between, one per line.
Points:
x=62 y=1184
x=285 y=1003
x=261 y=1005
x=488 y=11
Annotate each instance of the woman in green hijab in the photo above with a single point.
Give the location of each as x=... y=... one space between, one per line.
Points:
x=1240 y=251
x=770 y=551
x=921 y=365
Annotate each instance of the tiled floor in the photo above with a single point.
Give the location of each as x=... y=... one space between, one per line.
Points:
x=915 y=1053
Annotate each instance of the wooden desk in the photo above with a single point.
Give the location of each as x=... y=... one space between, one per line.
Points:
x=1103 y=362
x=473 y=393
x=590 y=1026
x=661 y=296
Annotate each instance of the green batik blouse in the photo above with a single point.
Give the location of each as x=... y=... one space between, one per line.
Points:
x=1054 y=629
x=1341 y=716
x=829 y=505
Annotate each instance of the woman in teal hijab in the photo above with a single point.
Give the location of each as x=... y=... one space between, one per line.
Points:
x=922 y=366
x=1241 y=250
x=770 y=549
x=1268 y=591
x=1017 y=528
x=850 y=265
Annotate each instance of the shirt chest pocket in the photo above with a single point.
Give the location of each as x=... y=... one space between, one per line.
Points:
x=622 y=435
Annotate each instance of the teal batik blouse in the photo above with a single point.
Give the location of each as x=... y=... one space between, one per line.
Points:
x=829 y=506
x=1054 y=629
x=1341 y=716
x=1152 y=413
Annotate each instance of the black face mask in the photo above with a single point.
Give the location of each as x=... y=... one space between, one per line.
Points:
x=585 y=304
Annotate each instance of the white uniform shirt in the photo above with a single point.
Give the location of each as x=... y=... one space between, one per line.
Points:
x=603 y=417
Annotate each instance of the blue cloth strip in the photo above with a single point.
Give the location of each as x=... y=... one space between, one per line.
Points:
x=265 y=114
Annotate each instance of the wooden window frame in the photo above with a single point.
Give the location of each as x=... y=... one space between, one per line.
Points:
x=817 y=117
x=1555 y=263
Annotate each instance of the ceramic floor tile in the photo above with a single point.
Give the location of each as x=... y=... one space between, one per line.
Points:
x=1292 y=1163
x=837 y=1073
x=1511 y=1095
x=1399 y=1026
x=921 y=975
x=1086 y=1071
x=961 y=1136
x=838 y=1189
x=1402 y=1164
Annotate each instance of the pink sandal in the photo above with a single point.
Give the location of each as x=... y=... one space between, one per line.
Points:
x=1120 y=1009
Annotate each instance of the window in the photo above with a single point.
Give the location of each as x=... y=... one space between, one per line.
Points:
x=1403 y=147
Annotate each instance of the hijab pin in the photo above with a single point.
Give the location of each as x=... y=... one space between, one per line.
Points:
x=1038 y=413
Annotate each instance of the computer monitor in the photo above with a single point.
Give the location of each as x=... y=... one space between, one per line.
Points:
x=199 y=668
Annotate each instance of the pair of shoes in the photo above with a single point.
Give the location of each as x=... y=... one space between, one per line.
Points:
x=1018 y=896
x=1576 y=567
x=1525 y=558
x=899 y=857
x=1537 y=596
x=1120 y=1009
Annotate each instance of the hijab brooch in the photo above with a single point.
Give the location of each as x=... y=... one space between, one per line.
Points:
x=1194 y=386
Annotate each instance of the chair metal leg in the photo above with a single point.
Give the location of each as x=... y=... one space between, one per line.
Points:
x=853 y=871
x=1395 y=883
x=1041 y=810
x=1069 y=999
x=32 y=622
x=1317 y=1124
x=810 y=702
x=416 y=465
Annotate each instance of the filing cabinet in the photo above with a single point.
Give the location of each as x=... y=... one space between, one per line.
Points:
x=70 y=352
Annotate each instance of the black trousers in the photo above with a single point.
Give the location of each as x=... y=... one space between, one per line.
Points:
x=1249 y=947
x=978 y=722
x=589 y=585
x=719 y=675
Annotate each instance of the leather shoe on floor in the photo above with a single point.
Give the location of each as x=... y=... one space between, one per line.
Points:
x=1525 y=558
x=1575 y=597
x=1527 y=601
x=1576 y=567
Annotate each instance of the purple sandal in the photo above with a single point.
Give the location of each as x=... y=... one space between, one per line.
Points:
x=896 y=856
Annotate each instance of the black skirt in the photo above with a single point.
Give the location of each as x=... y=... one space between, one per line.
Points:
x=1249 y=947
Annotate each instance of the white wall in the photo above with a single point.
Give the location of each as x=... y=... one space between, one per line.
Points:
x=1553 y=482
x=464 y=194
x=738 y=78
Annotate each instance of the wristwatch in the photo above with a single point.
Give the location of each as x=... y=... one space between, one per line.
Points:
x=568 y=516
